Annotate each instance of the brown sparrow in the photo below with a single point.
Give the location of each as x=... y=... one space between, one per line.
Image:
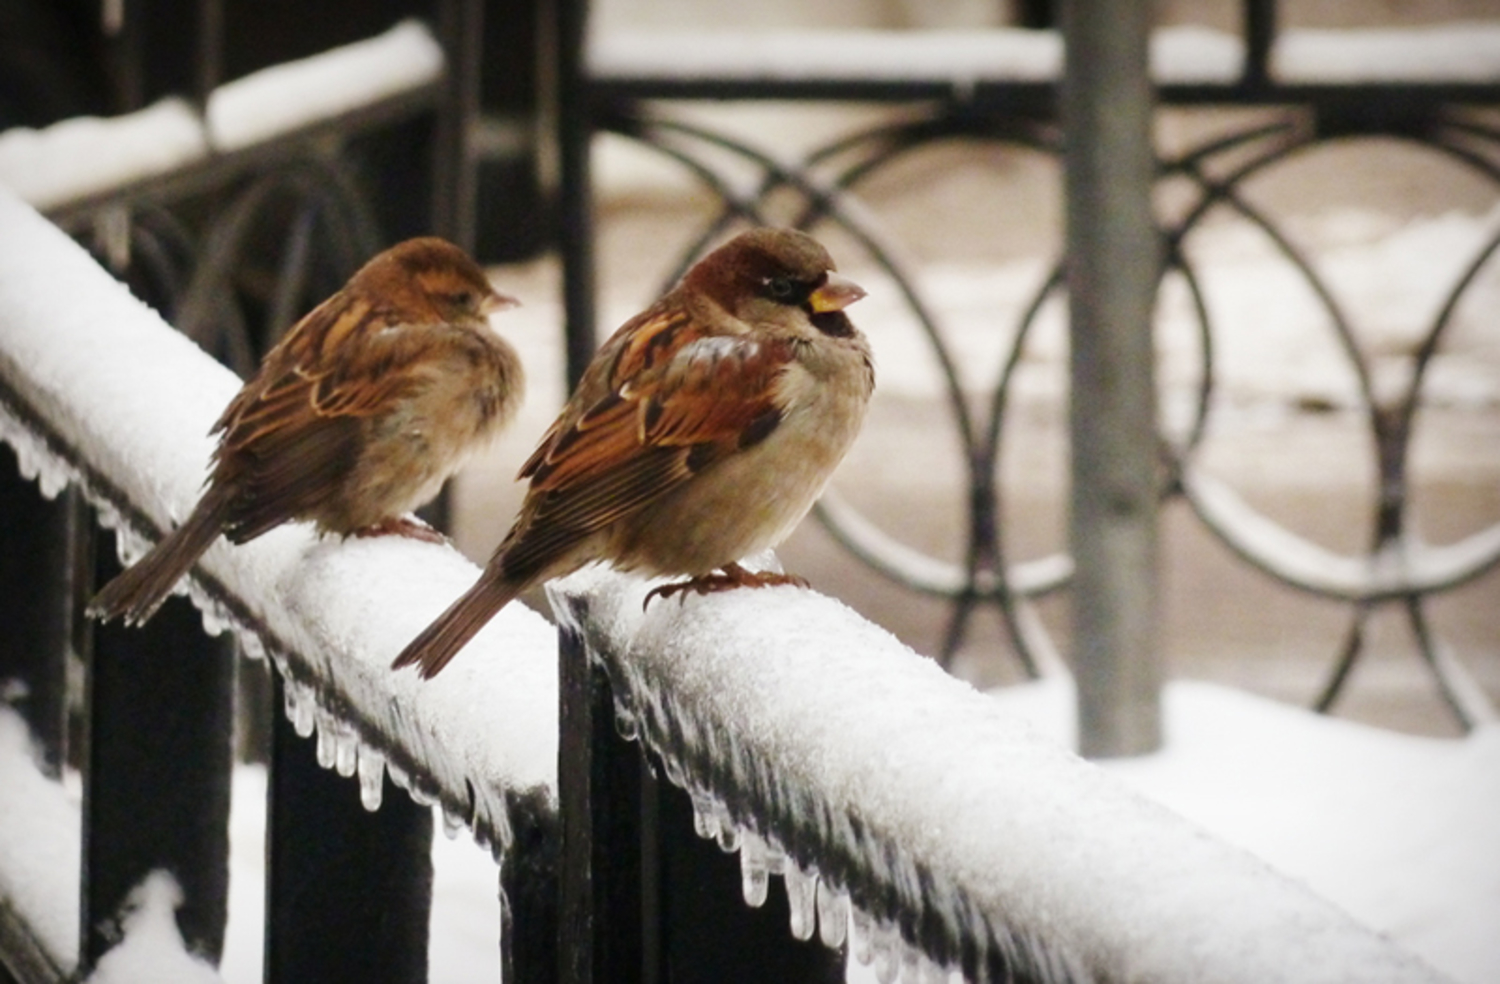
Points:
x=702 y=432
x=356 y=417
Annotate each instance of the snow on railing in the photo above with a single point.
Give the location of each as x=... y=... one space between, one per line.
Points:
x=888 y=795
x=96 y=390
x=81 y=158
x=882 y=788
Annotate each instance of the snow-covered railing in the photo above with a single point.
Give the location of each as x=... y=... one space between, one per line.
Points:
x=97 y=392
x=898 y=800
x=890 y=797
x=72 y=167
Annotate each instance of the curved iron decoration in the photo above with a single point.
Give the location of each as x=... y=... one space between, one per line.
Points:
x=1397 y=568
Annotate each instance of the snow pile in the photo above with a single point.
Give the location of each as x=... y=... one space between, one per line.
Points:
x=1397 y=830
x=151 y=948
x=89 y=155
x=285 y=97
x=100 y=391
x=867 y=772
x=39 y=847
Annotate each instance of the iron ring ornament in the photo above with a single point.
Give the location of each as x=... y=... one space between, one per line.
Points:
x=1398 y=567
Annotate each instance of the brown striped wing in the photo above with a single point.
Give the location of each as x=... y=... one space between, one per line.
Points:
x=654 y=412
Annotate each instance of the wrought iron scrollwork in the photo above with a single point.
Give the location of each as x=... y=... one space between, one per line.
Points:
x=1397 y=568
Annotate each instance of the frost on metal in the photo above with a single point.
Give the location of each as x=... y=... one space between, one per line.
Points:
x=956 y=838
x=100 y=393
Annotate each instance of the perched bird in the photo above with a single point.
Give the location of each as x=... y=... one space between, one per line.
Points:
x=356 y=417
x=702 y=431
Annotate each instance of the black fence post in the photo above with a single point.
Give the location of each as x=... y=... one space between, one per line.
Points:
x=348 y=891
x=598 y=784
x=157 y=768
x=643 y=898
x=37 y=605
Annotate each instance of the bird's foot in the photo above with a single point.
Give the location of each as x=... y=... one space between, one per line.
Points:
x=727 y=578
x=407 y=526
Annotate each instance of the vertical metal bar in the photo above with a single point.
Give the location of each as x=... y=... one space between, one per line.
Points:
x=529 y=898
x=210 y=66
x=599 y=794
x=36 y=607
x=1113 y=262
x=1260 y=35
x=575 y=130
x=455 y=181
x=348 y=891
x=708 y=932
x=156 y=775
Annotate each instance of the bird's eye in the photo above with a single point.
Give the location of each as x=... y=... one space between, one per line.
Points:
x=463 y=299
x=780 y=288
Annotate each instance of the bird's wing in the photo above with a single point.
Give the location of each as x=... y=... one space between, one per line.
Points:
x=667 y=411
x=293 y=432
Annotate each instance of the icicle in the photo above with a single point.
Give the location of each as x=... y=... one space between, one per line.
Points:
x=885 y=945
x=833 y=915
x=301 y=708
x=754 y=878
x=801 y=890
x=326 y=738
x=705 y=814
x=911 y=963
x=673 y=770
x=345 y=750
x=729 y=832
x=625 y=724
x=452 y=824
x=932 y=973
x=864 y=934
x=371 y=777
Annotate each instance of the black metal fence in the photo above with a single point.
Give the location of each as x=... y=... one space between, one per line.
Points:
x=599 y=869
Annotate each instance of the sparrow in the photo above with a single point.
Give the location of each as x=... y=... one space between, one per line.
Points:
x=357 y=416
x=702 y=431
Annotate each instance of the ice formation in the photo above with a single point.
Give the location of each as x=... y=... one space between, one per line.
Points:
x=819 y=747
x=101 y=393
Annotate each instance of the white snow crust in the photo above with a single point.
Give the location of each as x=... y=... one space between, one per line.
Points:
x=39 y=845
x=932 y=808
x=1397 y=830
x=86 y=156
x=1181 y=54
x=151 y=948
x=1453 y=52
x=285 y=97
x=122 y=393
x=962 y=58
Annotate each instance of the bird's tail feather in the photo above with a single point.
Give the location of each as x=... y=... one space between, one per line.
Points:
x=139 y=591
x=437 y=644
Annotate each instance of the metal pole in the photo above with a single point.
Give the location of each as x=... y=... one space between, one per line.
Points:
x=575 y=217
x=1113 y=263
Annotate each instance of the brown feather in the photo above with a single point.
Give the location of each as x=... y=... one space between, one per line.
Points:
x=140 y=590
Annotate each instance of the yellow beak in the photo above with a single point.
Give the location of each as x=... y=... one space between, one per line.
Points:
x=497 y=301
x=837 y=293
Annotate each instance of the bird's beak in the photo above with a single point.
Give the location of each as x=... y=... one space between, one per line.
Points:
x=497 y=301
x=837 y=293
